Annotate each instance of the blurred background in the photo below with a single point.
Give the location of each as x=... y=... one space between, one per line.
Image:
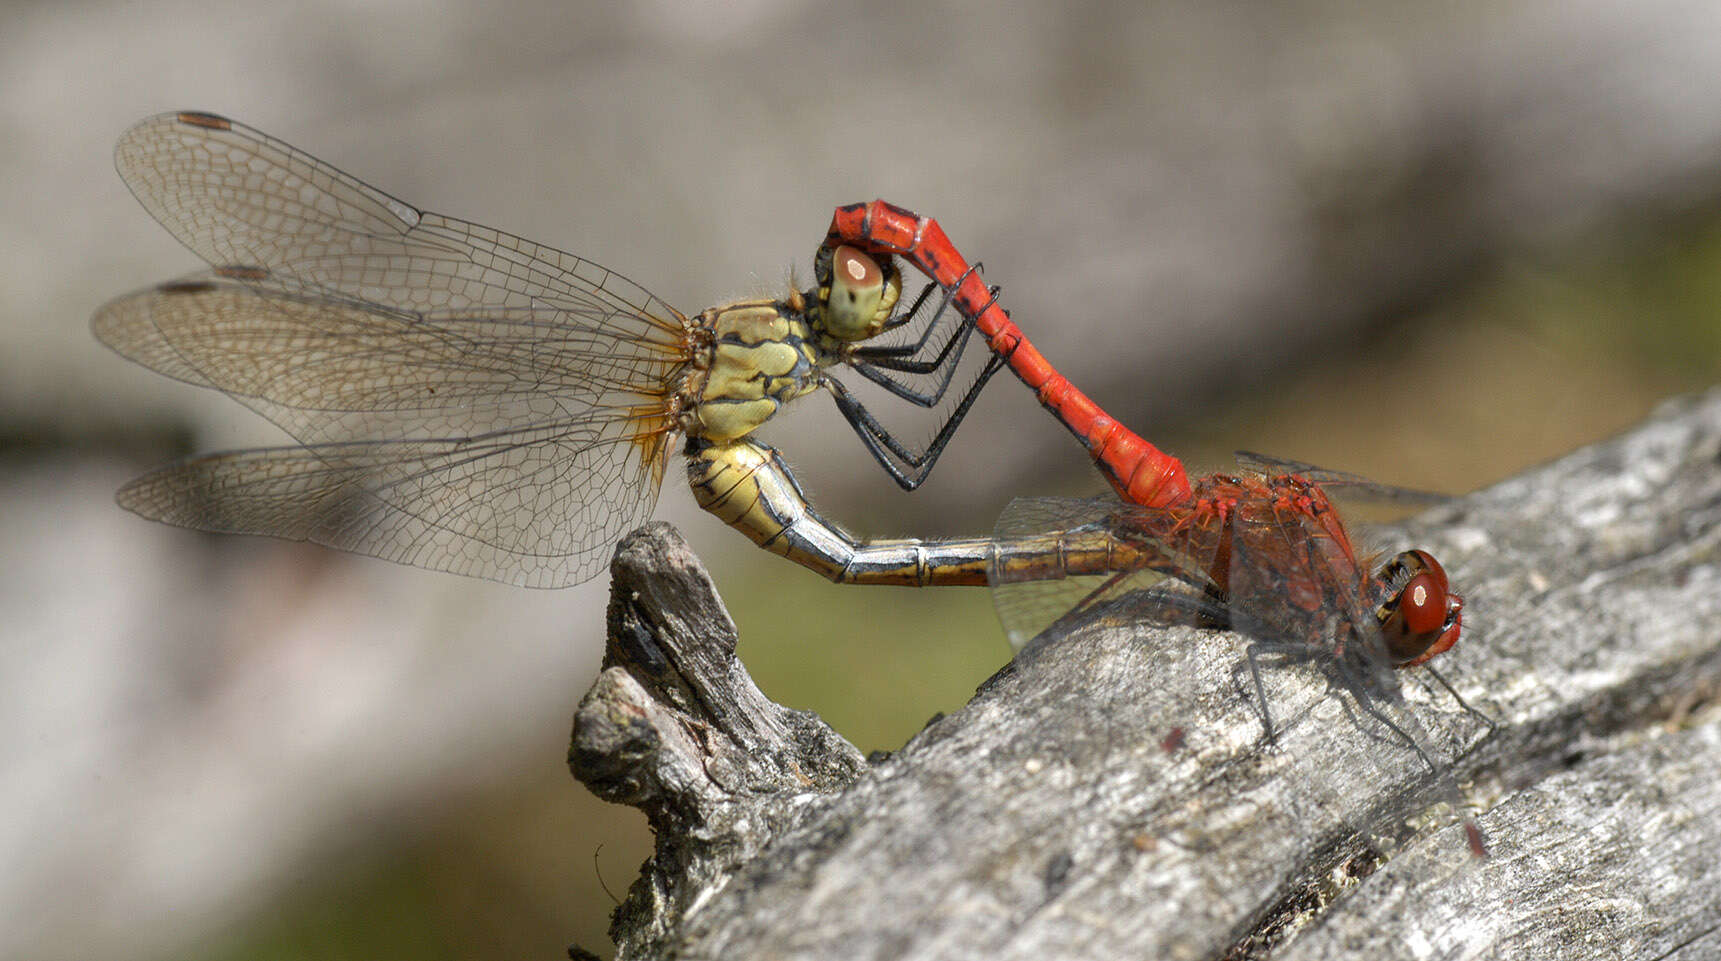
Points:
x=1433 y=246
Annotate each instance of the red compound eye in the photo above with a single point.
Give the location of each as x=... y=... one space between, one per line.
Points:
x=1422 y=605
x=1432 y=568
x=1423 y=617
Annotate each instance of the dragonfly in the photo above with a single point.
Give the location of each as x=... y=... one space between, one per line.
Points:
x=469 y=401
x=1262 y=550
x=466 y=400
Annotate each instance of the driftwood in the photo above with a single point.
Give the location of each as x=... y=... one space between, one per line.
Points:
x=1109 y=793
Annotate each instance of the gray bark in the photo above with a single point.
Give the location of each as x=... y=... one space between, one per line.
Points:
x=1109 y=793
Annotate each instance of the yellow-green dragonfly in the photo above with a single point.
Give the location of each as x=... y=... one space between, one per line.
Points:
x=466 y=400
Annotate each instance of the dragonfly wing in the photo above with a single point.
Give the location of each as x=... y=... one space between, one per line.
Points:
x=1295 y=582
x=241 y=199
x=1040 y=546
x=328 y=368
x=1028 y=517
x=1272 y=466
x=1028 y=608
x=1350 y=487
x=506 y=507
x=427 y=363
x=1302 y=598
x=1029 y=601
x=398 y=405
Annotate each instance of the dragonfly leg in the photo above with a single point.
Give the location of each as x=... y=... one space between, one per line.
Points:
x=907 y=466
x=1493 y=725
x=869 y=364
x=901 y=357
x=1261 y=695
x=749 y=487
x=907 y=317
x=1365 y=703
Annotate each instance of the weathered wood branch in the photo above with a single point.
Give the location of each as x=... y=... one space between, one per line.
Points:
x=1108 y=794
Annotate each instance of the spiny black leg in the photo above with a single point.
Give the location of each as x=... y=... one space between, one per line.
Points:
x=947 y=294
x=909 y=467
x=895 y=358
x=907 y=317
x=1355 y=722
x=887 y=358
x=872 y=362
x=891 y=453
x=958 y=342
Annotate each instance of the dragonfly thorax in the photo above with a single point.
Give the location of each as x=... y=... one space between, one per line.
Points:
x=1272 y=549
x=757 y=356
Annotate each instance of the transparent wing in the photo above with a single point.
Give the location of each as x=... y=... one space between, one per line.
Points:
x=330 y=368
x=241 y=199
x=470 y=401
x=1163 y=582
x=472 y=506
x=1349 y=487
x=1293 y=585
x=1302 y=598
x=1026 y=606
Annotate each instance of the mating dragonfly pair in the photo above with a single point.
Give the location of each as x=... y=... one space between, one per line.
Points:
x=469 y=401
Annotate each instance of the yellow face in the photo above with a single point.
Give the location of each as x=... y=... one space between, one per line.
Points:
x=861 y=295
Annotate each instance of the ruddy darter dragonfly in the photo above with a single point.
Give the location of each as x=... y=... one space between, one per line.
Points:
x=469 y=401
x=1261 y=551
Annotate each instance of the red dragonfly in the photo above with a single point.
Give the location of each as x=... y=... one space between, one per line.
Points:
x=1261 y=551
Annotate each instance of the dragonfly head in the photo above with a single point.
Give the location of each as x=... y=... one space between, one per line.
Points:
x=1420 y=615
x=856 y=292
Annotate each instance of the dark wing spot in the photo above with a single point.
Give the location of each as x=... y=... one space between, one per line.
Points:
x=199 y=119
x=184 y=287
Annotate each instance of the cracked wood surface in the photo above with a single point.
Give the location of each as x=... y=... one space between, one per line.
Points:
x=1108 y=794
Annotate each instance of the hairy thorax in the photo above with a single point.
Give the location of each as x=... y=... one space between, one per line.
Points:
x=756 y=356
